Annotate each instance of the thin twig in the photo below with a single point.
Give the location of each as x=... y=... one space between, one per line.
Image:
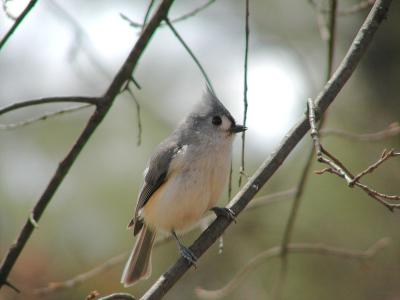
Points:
x=113 y=261
x=6 y=11
x=295 y=248
x=45 y=116
x=146 y=16
x=245 y=104
x=269 y=166
x=289 y=228
x=103 y=105
x=356 y=8
x=392 y=130
x=138 y=115
x=335 y=166
x=118 y=296
x=178 y=19
x=208 y=81
x=72 y=99
x=17 y=22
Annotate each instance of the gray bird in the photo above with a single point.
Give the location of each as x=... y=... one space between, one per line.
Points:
x=184 y=179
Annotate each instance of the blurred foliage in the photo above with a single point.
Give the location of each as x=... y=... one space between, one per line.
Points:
x=85 y=223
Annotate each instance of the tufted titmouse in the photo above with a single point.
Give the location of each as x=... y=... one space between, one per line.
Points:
x=183 y=180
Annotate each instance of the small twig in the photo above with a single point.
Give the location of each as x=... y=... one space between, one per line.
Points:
x=45 y=116
x=178 y=19
x=118 y=296
x=11 y=286
x=190 y=53
x=138 y=115
x=17 y=22
x=336 y=167
x=18 y=105
x=146 y=16
x=245 y=103
x=384 y=156
x=299 y=248
x=105 y=266
x=392 y=130
x=356 y=8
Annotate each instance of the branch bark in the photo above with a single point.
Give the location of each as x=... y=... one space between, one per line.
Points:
x=268 y=168
x=102 y=107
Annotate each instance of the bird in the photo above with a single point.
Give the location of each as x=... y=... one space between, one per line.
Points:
x=184 y=179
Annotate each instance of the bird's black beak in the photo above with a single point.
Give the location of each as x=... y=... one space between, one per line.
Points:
x=237 y=128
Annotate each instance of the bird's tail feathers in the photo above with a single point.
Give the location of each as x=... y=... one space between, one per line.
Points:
x=138 y=265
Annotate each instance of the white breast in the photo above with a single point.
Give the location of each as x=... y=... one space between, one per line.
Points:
x=194 y=184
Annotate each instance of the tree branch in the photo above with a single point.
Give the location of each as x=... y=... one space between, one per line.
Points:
x=269 y=167
x=17 y=22
x=298 y=248
x=113 y=261
x=103 y=106
x=78 y=99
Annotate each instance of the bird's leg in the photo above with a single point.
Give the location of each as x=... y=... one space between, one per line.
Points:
x=184 y=251
x=224 y=212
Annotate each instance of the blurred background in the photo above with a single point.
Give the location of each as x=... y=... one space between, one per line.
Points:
x=76 y=47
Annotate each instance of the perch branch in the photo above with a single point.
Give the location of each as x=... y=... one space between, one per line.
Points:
x=269 y=166
x=120 y=258
x=102 y=108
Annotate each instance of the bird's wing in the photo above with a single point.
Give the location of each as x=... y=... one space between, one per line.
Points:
x=157 y=173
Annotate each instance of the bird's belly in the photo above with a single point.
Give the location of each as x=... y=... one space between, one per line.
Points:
x=183 y=199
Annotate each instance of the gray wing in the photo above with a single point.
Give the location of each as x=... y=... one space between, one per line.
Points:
x=156 y=175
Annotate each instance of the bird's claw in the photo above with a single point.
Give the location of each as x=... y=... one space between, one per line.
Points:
x=224 y=212
x=188 y=254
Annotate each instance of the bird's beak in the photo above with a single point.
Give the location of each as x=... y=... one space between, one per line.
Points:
x=237 y=128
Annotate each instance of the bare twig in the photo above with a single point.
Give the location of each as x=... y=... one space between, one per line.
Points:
x=208 y=81
x=105 y=266
x=6 y=11
x=392 y=130
x=289 y=228
x=356 y=8
x=18 y=105
x=118 y=296
x=245 y=104
x=335 y=166
x=299 y=248
x=17 y=22
x=269 y=166
x=138 y=115
x=44 y=117
x=146 y=16
x=178 y=19
x=102 y=108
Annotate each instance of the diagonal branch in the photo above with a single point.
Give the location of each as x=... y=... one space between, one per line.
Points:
x=102 y=108
x=17 y=22
x=270 y=166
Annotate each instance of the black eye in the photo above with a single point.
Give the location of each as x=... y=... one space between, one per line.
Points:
x=217 y=120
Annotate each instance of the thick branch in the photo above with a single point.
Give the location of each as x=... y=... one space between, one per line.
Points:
x=269 y=167
x=103 y=106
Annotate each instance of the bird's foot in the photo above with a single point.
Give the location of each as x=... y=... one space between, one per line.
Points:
x=188 y=255
x=224 y=212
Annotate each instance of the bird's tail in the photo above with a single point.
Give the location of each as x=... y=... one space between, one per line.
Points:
x=138 y=265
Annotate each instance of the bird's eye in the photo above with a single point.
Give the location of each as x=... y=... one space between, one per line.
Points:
x=217 y=120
